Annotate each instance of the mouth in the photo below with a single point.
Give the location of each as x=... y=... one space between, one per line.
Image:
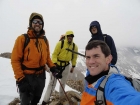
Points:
x=92 y=67
x=37 y=27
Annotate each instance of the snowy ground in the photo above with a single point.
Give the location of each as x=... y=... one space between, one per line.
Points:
x=8 y=89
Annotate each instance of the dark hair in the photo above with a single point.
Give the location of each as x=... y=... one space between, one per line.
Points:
x=95 y=43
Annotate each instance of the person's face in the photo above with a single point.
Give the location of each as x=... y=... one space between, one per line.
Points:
x=70 y=38
x=37 y=25
x=96 y=61
x=94 y=30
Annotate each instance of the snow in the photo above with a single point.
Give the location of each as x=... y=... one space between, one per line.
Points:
x=8 y=89
x=128 y=63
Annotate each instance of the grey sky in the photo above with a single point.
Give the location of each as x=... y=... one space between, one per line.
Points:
x=118 y=18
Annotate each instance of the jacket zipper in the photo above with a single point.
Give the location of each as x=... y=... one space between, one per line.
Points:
x=28 y=53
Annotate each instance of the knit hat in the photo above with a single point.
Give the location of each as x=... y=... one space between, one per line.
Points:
x=35 y=15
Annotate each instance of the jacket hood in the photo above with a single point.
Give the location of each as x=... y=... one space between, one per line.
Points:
x=69 y=33
x=97 y=24
x=35 y=15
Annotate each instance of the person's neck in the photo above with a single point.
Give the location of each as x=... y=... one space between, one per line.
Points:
x=69 y=42
x=37 y=33
x=91 y=79
x=94 y=33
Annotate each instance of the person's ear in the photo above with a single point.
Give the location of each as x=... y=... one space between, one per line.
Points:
x=109 y=59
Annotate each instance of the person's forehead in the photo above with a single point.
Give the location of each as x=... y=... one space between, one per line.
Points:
x=38 y=19
x=93 y=27
x=96 y=50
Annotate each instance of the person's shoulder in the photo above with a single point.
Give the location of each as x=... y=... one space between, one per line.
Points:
x=106 y=35
x=90 y=40
x=21 y=37
x=116 y=76
x=58 y=43
x=75 y=44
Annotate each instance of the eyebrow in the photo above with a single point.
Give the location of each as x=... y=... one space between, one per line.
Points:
x=96 y=54
x=93 y=55
x=37 y=20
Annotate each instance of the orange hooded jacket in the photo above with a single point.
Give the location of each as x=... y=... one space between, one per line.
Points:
x=35 y=55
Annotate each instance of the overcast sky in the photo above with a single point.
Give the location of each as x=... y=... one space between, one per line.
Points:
x=118 y=18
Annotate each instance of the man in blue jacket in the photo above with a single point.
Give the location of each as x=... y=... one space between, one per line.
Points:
x=118 y=90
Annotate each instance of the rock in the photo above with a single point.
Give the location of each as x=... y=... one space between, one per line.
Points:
x=73 y=98
x=77 y=85
x=6 y=55
x=14 y=102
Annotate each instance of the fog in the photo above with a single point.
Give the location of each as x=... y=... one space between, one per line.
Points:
x=118 y=18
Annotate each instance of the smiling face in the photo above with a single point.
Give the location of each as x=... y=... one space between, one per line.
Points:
x=37 y=25
x=96 y=61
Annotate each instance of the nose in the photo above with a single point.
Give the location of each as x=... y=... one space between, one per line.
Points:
x=37 y=23
x=91 y=60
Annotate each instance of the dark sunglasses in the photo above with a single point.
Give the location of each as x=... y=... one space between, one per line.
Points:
x=36 y=21
x=94 y=27
x=70 y=35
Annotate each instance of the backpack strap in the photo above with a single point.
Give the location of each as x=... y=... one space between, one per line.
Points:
x=46 y=40
x=73 y=50
x=104 y=36
x=62 y=43
x=106 y=40
x=27 y=40
x=100 y=95
x=135 y=82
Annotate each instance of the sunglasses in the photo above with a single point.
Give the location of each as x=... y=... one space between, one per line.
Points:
x=94 y=27
x=36 y=21
x=70 y=35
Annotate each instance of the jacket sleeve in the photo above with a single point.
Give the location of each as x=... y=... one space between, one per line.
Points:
x=73 y=61
x=56 y=52
x=113 y=51
x=120 y=92
x=16 y=57
x=49 y=61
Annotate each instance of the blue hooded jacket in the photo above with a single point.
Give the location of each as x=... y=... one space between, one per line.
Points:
x=117 y=91
x=109 y=40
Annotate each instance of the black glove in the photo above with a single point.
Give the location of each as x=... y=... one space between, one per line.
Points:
x=55 y=72
x=24 y=86
x=58 y=76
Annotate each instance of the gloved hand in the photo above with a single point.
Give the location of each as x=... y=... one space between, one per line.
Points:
x=58 y=76
x=24 y=86
x=55 y=72
x=72 y=69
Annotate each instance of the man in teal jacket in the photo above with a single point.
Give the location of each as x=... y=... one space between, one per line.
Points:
x=118 y=90
x=61 y=58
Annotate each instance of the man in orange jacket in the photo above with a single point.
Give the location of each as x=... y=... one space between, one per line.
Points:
x=29 y=64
